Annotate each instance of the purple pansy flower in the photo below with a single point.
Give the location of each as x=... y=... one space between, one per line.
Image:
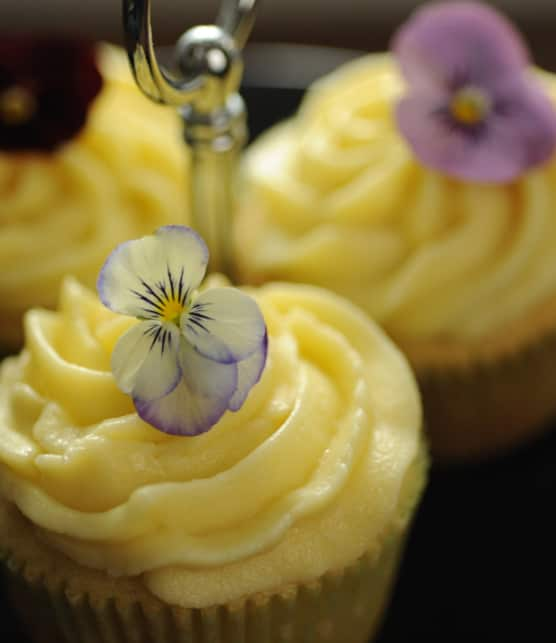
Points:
x=473 y=110
x=193 y=355
x=46 y=86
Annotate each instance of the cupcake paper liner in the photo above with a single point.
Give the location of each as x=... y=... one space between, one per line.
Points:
x=48 y=592
x=485 y=407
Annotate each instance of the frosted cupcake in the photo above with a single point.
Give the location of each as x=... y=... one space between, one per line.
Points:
x=422 y=187
x=286 y=517
x=85 y=162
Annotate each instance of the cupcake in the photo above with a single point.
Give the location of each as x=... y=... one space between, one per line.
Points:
x=123 y=517
x=86 y=161
x=421 y=185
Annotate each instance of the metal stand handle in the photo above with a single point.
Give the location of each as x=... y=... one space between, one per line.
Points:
x=206 y=94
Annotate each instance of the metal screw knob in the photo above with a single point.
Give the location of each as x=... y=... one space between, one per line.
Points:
x=208 y=54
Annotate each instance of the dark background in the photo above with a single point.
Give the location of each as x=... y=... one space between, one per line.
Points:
x=359 y=24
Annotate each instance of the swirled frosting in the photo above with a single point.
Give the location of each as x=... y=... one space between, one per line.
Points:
x=335 y=197
x=321 y=464
x=62 y=213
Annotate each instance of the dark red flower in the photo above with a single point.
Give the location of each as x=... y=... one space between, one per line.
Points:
x=46 y=87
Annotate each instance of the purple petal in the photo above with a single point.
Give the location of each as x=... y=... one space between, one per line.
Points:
x=224 y=325
x=458 y=43
x=199 y=400
x=142 y=272
x=249 y=372
x=182 y=412
x=518 y=134
x=433 y=140
x=523 y=124
x=145 y=360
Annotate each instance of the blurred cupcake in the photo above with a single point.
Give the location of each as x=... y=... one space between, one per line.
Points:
x=422 y=187
x=85 y=162
x=286 y=517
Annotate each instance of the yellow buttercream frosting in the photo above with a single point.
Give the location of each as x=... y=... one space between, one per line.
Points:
x=335 y=197
x=121 y=177
x=321 y=464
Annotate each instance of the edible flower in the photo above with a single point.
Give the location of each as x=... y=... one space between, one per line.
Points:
x=193 y=354
x=473 y=109
x=46 y=87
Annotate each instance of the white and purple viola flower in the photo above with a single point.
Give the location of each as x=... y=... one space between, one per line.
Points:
x=473 y=109
x=193 y=355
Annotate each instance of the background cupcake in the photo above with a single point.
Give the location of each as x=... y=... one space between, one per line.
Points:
x=423 y=189
x=286 y=517
x=86 y=161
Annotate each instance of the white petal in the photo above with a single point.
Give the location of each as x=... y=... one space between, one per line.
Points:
x=249 y=372
x=145 y=360
x=198 y=401
x=205 y=377
x=142 y=273
x=183 y=247
x=128 y=356
x=224 y=324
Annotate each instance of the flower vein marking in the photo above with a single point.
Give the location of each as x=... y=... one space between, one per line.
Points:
x=473 y=131
x=168 y=302
x=160 y=335
x=196 y=318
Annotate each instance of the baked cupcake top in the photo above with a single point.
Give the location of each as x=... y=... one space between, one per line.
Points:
x=63 y=210
x=321 y=463
x=337 y=196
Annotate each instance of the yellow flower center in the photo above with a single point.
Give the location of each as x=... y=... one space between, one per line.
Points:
x=470 y=106
x=17 y=105
x=171 y=310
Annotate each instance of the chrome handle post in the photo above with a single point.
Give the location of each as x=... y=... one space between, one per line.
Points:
x=205 y=91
